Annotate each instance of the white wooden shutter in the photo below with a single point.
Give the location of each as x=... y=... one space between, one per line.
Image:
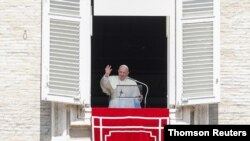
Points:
x=66 y=50
x=197 y=51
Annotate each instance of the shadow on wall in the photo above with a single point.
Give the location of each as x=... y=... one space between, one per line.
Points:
x=45 y=121
x=213 y=114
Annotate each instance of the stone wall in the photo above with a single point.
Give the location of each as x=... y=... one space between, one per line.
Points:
x=23 y=117
x=235 y=63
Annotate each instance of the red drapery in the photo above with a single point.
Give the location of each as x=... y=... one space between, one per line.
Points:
x=129 y=124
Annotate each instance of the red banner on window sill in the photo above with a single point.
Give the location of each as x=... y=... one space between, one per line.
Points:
x=129 y=124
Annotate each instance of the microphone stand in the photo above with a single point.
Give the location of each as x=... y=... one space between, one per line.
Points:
x=145 y=101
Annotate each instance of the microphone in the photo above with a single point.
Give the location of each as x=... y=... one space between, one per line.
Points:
x=145 y=100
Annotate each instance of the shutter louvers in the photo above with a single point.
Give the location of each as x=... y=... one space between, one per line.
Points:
x=197 y=8
x=197 y=59
x=66 y=51
x=65 y=7
x=197 y=51
x=64 y=58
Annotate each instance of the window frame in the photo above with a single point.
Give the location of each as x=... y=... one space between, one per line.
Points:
x=173 y=80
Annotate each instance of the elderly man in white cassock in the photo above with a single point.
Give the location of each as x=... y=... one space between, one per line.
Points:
x=123 y=92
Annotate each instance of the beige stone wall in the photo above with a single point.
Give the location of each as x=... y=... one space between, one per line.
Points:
x=235 y=62
x=23 y=117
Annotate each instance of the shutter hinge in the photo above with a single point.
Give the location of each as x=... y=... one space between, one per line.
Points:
x=184 y=99
x=217 y=81
x=77 y=98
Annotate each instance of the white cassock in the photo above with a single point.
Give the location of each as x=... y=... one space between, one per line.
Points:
x=123 y=93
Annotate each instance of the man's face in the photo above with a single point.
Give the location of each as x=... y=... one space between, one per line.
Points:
x=123 y=73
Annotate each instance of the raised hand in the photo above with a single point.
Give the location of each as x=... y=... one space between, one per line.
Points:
x=140 y=97
x=108 y=70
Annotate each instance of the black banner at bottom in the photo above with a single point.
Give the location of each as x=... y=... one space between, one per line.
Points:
x=175 y=132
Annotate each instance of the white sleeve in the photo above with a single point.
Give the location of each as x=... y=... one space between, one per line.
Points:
x=105 y=85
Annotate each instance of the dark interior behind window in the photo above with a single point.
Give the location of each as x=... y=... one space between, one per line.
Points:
x=140 y=43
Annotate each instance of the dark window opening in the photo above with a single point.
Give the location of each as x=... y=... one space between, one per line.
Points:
x=137 y=41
